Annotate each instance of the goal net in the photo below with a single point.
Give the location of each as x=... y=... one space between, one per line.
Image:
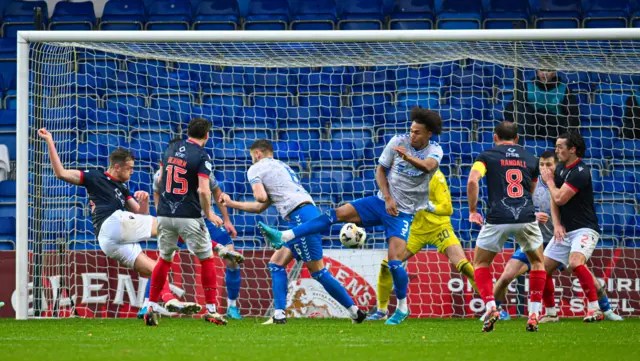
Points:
x=329 y=107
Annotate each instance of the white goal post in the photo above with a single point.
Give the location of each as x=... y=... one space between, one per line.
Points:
x=598 y=51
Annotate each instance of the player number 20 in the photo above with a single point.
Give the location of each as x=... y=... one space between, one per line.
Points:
x=174 y=175
x=514 y=183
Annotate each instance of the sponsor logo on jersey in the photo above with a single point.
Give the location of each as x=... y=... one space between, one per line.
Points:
x=512 y=153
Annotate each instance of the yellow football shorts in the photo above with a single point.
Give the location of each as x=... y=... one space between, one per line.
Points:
x=443 y=237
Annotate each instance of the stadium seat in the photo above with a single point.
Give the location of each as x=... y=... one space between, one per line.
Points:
x=374 y=103
x=507 y=14
x=272 y=97
x=460 y=14
x=73 y=16
x=235 y=152
x=558 y=14
x=321 y=190
x=149 y=145
x=122 y=15
x=105 y=120
x=142 y=179
x=360 y=137
x=118 y=101
x=8 y=191
x=314 y=15
x=171 y=98
x=7 y=120
x=225 y=96
x=599 y=141
x=169 y=15
x=9 y=139
x=412 y=15
x=626 y=149
x=20 y=15
x=303 y=117
x=267 y=15
x=614 y=217
x=361 y=15
x=98 y=145
x=606 y=14
x=7 y=231
x=426 y=97
x=217 y=15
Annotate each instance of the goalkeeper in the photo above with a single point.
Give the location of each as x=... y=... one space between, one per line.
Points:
x=431 y=226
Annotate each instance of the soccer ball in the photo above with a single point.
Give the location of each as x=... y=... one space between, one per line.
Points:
x=352 y=236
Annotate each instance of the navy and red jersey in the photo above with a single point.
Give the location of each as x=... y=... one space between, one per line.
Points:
x=511 y=172
x=182 y=165
x=579 y=211
x=107 y=193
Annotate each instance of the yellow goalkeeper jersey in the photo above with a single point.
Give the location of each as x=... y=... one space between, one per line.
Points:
x=425 y=222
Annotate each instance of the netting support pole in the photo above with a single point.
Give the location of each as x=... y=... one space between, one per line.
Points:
x=22 y=181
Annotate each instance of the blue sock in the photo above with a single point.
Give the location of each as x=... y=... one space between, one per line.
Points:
x=335 y=289
x=232 y=280
x=317 y=225
x=400 y=278
x=146 y=290
x=279 y=286
x=604 y=304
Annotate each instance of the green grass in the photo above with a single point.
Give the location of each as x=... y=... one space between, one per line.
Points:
x=317 y=340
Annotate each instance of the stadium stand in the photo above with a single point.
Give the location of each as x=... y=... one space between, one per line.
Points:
x=335 y=113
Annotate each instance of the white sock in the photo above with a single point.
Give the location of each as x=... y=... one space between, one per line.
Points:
x=154 y=306
x=490 y=305
x=593 y=305
x=279 y=314
x=550 y=311
x=211 y=308
x=287 y=235
x=535 y=307
x=383 y=310
x=402 y=305
x=353 y=311
x=231 y=303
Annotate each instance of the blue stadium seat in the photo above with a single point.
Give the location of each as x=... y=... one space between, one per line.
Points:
x=119 y=102
x=303 y=117
x=105 y=120
x=142 y=180
x=233 y=180
x=606 y=14
x=73 y=16
x=372 y=102
x=151 y=67
x=8 y=191
x=626 y=149
x=290 y=153
x=314 y=15
x=271 y=97
x=169 y=15
x=425 y=97
x=226 y=96
x=337 y=154
x=7 y=231
x=267 y=15
x=171 y=98
x=360 y=137
x=617 y=186
x=614 y=217
x=248 y=133
x=122 y=15
x=412 y=15
x=558 y=14
x=217 y=15
x=20 y=15
x=152 y=118
x=537 y=146
x=9 y=139
x=599 y=141
x=98 y=145
x=460 y=14
x=149 y=145
x=234 y=152
x=507 y=14
x=7 y=120
x=361 y=15
x=321 y=189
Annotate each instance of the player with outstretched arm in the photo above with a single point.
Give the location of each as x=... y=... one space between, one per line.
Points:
x=403 y=174
x=274 y=182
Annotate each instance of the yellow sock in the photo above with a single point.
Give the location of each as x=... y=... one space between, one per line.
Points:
x=466 y=269
x=385 y=285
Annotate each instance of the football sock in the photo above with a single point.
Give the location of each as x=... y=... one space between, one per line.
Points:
x=550 y=311
x=166 y=293
x=400 y=280
x=211 y=308
x=537 y=283
x=335 y=289
x=231 y=303
x=485 y=285
x=279 y=314
x=385 y=285
x=548 y=296
x=232 y=279
x=603 y=302
x=466 y=269
x=319 y=224
x=209 y=282
x=279 y=286
x=586 y=282
x=158 y=279
x=402 y=305
x=146 y=293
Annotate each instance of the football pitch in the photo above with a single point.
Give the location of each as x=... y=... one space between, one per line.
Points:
x=315 y=339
